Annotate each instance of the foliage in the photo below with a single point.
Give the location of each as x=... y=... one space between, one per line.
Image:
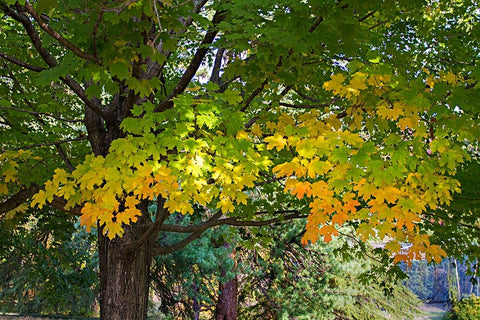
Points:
x=385 y=143
x=286 y=280
x=47 y=273
x=186 y=281
x=358 y=114
x=466 y=309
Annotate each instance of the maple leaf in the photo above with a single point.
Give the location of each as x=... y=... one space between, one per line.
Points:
x=114 y=229
x=335 y=84
x=276 y=141
x=435 y=253
x=365 y=231
x=3 y=188
x=298 y=188
x=310 y=236
x=289 y=168
x=389 y=194
x=340 y=217
x=328 y=231
x=226 y=205
x=39 y=199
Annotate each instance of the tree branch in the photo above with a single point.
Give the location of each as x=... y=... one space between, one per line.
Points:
x=35 y=113
x=194 y=64
x=61 y=203
x=46 y=144
x=232 y=222
x=181 y=244
x=309 y=106
x=215 y=75
x=59 y=37
x=161 y=215
x=49 y=59
x=21 y=63
x=19 y=198
x=59 y=148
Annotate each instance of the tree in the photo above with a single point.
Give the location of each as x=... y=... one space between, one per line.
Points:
x=350 y=112
x=47 y=269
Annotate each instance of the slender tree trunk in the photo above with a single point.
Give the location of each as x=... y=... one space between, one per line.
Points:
x=124 y=278
x=227 y=299
x=196 y=305
x=457 y=277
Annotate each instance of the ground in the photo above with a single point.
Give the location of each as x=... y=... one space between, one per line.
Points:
x=432 y=312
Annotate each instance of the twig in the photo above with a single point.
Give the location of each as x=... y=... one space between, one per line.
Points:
x=42 y=114
x=47 y=144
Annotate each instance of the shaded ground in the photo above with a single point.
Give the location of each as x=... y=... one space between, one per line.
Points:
x=433 y=312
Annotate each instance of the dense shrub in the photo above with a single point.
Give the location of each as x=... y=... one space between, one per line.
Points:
x=466 y=309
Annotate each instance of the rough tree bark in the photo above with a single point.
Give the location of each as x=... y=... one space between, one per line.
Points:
x=124 y=276
x=227 y=300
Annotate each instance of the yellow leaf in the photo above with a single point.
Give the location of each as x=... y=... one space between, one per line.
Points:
x=256 y=130
x=3 y=188
x=277 y=141
x=39 y=199
x=298 y=188
x=289 y=169
x=10 y=175
x=113 y=229
x=226 y=205
x=336 y=84
x=393 y=246
x=340 y=217
x=405 y=122
x=435 y=253
x=310 y=236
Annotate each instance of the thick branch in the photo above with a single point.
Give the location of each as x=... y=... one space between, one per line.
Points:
x=194 y=64
x=161 y=216
x=93 y=105
x=37 y=42
x=61 y=204
x=18 y=198
x=59 y=37
x=215 y=75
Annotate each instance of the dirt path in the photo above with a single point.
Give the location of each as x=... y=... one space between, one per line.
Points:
x=433 y=312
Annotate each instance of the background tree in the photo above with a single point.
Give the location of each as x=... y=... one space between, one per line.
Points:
x=350 y=112
x=46 y=266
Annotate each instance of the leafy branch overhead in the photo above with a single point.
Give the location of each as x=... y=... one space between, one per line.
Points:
x=349 y=113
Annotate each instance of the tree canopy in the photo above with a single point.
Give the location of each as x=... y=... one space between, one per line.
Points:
x=347 y=112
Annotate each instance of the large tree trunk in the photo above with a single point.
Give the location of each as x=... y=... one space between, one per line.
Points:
x=124 y=277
